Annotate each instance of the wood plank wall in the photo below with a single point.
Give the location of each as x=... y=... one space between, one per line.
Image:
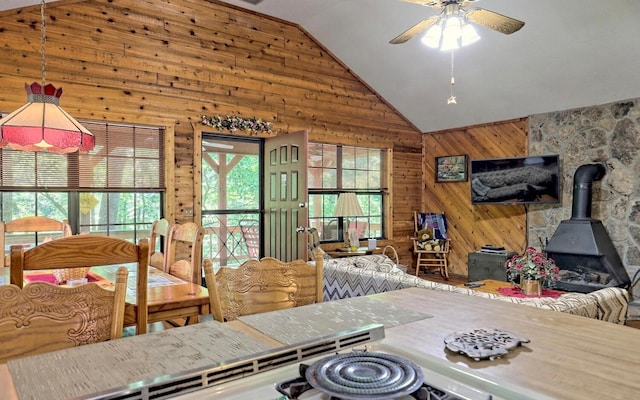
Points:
x=157 y=62
x=471 y=226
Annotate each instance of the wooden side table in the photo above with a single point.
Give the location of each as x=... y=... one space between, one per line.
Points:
x=490 y=286
x=347 y=252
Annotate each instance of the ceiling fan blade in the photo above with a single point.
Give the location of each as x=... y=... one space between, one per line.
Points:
x=438 y=3
x=430 y=3
x=493 y=20
x=415 y=30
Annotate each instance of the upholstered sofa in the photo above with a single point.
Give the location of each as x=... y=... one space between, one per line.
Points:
x=363 y=275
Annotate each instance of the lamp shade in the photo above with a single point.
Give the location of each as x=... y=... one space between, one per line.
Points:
x=42 y=125
x=348 y=206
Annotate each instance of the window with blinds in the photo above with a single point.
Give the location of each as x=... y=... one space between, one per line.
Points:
x=116 y=189
x=125 y=157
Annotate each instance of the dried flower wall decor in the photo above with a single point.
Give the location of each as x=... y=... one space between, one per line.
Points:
x=234 y=123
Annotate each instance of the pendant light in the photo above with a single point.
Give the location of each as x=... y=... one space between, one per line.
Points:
x=41 y=124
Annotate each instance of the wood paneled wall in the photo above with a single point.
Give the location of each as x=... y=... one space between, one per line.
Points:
x=163 y=62
x=472 y=226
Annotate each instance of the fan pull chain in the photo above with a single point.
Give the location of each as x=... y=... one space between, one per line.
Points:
x=452 y=98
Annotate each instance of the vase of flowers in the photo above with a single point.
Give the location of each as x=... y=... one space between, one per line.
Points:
x=534 y=269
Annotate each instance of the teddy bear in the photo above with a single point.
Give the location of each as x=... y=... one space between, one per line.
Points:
x=426 y=241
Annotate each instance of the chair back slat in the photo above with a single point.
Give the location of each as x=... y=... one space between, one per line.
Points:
x=185 y=239
x=158 y=243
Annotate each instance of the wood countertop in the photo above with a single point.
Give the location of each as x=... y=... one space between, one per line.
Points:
x=568 y=357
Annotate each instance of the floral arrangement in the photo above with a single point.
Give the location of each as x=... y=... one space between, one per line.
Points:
x=234 y=123
x=532 y=265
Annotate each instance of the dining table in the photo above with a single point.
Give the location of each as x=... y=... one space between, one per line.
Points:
x=169 y=297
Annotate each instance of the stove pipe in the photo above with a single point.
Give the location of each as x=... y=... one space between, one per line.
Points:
x=583 y=180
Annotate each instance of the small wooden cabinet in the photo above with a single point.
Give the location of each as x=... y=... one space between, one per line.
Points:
x=487 y=266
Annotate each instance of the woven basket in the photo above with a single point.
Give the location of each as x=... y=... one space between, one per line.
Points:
x=62 y=275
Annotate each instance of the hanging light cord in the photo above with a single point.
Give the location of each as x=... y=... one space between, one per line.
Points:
x=453 y=80
x=452 y=98
x=43 y=40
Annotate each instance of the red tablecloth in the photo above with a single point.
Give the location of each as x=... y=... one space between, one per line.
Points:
x=50 y=278
x=515 y=292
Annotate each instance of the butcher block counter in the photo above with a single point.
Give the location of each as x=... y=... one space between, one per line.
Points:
x=567 y=357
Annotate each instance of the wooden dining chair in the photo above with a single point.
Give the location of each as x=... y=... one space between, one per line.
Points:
x=87 y=251
x=42 y=317
x=183 y=259
x=184 y=252
x=40 y=228
x=267 y=284
x=214 y=297
x=159 y=242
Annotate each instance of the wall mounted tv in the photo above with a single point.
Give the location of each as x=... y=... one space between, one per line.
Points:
x=518 y=180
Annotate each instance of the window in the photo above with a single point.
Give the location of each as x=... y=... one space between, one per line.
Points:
x=334 y=169
x=116 y=189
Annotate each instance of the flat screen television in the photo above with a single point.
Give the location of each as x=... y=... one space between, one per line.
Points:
x=517 y=180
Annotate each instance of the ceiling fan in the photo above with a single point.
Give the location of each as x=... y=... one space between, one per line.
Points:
x=454 y=8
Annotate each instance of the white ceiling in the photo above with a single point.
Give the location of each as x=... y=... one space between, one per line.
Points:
x=570 y=53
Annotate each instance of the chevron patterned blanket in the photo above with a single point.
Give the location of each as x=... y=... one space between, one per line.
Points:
x=364 y=275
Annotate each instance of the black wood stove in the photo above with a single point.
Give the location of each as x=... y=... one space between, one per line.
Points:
x=581 y=246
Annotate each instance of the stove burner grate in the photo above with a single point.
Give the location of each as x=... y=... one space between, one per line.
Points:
x=362 y=375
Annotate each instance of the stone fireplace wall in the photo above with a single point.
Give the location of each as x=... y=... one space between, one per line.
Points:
x=608 y=133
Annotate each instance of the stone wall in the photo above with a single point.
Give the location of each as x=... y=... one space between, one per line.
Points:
x=608 y=133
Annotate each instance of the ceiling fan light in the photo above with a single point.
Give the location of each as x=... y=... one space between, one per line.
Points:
x=469 y=35
x=449 y=42
x=432 y=37
x=449 y=45
x=452 y=27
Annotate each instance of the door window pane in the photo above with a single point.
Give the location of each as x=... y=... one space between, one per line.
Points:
x=231 y=190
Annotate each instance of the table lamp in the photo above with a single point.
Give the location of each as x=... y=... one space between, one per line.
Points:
x=348 y=206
